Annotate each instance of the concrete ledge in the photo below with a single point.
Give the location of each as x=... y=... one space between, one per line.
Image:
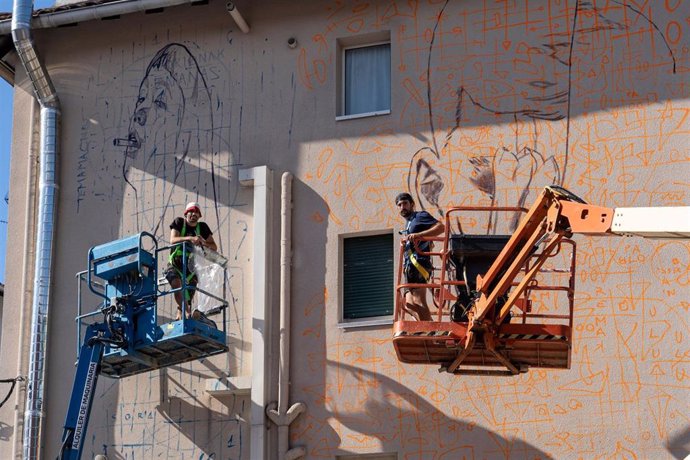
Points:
x=241 y=385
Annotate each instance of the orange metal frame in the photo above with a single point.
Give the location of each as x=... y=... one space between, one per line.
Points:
x=486 y=341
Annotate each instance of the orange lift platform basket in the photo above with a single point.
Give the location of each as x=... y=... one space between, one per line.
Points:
x=504 y=303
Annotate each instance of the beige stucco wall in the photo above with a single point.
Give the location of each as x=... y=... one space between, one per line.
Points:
x=612 y=127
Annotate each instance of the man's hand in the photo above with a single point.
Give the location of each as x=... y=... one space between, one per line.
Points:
x=411 y=237
x=198 y=241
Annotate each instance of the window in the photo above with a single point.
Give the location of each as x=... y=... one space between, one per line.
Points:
x=368 y=276
x=365 y=76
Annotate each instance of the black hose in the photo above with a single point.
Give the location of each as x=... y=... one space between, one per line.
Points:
x=566 y=194
x=14 y=383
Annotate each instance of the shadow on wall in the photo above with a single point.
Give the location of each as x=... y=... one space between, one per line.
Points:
x=351 y=409
x=679 y=445
x=214 y=433
x=168 y=414
x=385 y=416
x=308 y=299
x=168 y=155
x=5 y=432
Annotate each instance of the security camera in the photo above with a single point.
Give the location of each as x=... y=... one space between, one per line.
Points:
x=292 y=42
x=230 y=6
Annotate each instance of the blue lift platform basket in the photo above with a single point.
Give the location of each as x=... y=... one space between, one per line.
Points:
x=130 y=272
x=122 y=336
x=181 y=341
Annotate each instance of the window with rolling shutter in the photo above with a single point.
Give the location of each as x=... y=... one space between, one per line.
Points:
x=368 y=276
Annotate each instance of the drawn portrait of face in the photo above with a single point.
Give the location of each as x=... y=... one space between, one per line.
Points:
x=168 y=137
x=510 y=105
x=157 y=116
x=173 y=102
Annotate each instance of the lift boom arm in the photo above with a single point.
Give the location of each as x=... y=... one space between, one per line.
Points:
x=557 y=214
x=83 y=390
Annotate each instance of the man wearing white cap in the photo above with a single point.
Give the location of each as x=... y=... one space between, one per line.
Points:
x=188 y=229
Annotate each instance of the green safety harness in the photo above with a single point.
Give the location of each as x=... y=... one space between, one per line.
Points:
x=178 y=252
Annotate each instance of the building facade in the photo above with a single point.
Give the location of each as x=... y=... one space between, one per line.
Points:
x=2 y=298
x=456 y=102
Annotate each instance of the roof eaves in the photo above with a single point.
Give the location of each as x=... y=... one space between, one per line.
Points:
x=68 y=7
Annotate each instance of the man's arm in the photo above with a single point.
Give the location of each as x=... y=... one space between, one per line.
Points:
x=211 y=243
x=176 y=238
x=434 y=230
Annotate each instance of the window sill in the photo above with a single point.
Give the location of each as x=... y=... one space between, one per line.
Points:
x=355 y=323
x=362 y=115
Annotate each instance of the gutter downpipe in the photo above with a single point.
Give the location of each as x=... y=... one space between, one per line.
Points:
x=282 y=416
x=89 y=13
x=50 y=113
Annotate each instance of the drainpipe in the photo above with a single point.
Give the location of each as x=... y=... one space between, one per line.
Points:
x=282 y=416
x=47 y=98
x=104 y=10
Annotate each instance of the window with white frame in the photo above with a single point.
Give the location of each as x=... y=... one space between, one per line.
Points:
x=368 y=270
x=365 y=76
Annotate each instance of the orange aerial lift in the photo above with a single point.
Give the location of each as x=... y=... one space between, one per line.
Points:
x=485 y=278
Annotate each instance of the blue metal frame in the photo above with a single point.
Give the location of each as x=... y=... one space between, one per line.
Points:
x=129 y=340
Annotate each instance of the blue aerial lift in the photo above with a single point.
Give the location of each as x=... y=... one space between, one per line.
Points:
x=128 y=339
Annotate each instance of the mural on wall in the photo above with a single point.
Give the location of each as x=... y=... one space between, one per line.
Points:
x=152 y=142
x=495 y=100
x=158 y=139
x=170 y=138
x=534 y=86
x=500 y=99
x=532 y=70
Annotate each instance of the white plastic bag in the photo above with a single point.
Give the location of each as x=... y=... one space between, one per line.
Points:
x=209 y=267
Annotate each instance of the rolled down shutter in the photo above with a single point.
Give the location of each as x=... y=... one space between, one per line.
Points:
x=368 y=276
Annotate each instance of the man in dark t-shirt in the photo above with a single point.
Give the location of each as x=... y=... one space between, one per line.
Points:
x=417 y=267
x=191 y=230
